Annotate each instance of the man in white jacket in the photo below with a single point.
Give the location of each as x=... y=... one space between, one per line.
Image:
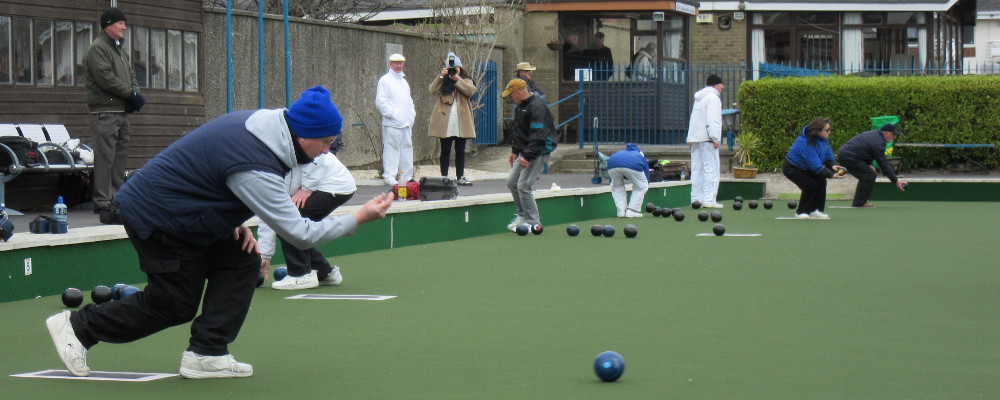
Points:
x=392 y=97
x=316 y=188
x=704 y=137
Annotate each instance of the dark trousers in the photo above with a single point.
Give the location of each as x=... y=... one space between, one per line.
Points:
x=866 y=178
x=301 y=261
x=813 y=187
x=459 y=155
x=177 y=272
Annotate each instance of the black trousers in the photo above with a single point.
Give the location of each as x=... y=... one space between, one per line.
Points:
x=813 y=187
x=866 y=179
x=459 y=155
x=177 y=273
x=301 y=261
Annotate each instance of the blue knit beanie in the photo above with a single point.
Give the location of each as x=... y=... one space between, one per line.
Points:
x=313 y=115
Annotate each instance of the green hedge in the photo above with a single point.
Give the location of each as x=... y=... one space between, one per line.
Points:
x=932 y=109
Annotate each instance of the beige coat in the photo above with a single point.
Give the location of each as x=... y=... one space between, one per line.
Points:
x=464 y=89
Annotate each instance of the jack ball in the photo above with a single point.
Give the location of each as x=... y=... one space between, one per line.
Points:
x=572 y=230
x=631 y=231
x=72 y=297
x=100 y=294
x=609 y=366
x=608 y=231
x=597 y=230
x=702 y=216
x=719 y=230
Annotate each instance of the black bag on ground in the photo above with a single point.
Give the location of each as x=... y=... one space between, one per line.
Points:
x=438 y=188
x=25 y=150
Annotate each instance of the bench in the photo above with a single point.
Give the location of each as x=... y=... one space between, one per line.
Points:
x=953 y=146
x=53 y=155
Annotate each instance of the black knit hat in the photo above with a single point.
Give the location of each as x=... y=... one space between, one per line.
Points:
x=111 y=15
x=713 y=80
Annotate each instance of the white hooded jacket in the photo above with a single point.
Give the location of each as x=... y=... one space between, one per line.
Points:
x=392 y=97
x=706 y=117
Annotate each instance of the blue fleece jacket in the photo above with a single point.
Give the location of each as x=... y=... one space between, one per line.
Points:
x=814 y=158
x=631 y=158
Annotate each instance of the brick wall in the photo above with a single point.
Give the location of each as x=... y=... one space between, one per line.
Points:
x=709 y=43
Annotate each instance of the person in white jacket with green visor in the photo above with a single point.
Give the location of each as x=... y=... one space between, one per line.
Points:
x=705 y=137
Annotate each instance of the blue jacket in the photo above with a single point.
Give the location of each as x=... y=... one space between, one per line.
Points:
x=631 y=158
x=814 y=158
x=182 y=192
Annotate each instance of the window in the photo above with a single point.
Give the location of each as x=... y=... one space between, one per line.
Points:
x=174 y=60
x=4 y=49
x=191 y=61
x=608 y=42
x=81 y=42
x=140 y=55
x=45 y=52
x=64 y=53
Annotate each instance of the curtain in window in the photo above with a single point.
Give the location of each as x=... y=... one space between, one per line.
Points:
x=853 y=44
x=757 y=50
x=922 y=41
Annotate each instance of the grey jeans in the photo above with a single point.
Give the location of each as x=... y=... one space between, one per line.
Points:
x=520 y=181
x=110 y=132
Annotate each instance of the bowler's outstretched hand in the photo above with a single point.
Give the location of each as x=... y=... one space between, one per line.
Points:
x=373 y=209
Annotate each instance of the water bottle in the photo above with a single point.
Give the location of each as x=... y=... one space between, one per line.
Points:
x=59 y=214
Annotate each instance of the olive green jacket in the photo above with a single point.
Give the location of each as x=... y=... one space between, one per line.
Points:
x=110 y=77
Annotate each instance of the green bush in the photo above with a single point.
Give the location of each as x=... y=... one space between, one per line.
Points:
x=931 y=109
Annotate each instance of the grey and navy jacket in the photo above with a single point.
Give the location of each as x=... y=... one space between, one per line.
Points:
x=534 y=134
x=202 y=187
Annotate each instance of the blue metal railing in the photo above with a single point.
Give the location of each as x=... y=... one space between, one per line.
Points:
x=486 y=97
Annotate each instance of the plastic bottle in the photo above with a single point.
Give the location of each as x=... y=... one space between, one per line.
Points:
x=59 y=214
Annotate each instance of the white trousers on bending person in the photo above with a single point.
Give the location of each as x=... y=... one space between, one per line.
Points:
x=618 y=193
x=704 y=172
x=397 y=154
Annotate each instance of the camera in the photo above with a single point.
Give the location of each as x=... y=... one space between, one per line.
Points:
x=451 y=66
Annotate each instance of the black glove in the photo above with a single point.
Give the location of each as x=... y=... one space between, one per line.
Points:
x=134 y=102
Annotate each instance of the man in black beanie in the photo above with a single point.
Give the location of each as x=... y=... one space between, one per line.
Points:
x=112 y=93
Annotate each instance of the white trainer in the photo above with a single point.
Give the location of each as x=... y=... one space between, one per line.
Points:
x=197 y=366
x=71 y=351
x=512 y=226
x=307 y=281
x=712 y=205
x=801 y=216
x=818 y=215
x=333 y=279
x=632 y=214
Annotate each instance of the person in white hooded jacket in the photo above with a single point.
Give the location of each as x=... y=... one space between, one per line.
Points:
x=316 y=188
x=705 y=137
x=393 y=100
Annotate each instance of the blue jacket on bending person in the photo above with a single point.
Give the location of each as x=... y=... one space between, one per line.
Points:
x=631 y=158
x=812 y=155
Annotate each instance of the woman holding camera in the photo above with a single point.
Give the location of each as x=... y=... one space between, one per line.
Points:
x=452 y=120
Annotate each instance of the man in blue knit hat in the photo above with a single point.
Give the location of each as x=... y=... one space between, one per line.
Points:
x=184 y=213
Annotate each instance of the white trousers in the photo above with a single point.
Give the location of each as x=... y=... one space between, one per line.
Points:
x=397 y=154
x=639 y=188
x=704 y=172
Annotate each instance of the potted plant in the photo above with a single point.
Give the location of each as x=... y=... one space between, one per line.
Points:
x=748 y=148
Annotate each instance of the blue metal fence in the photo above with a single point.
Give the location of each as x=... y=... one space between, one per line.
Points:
x=487 y=115
x=617 y=106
